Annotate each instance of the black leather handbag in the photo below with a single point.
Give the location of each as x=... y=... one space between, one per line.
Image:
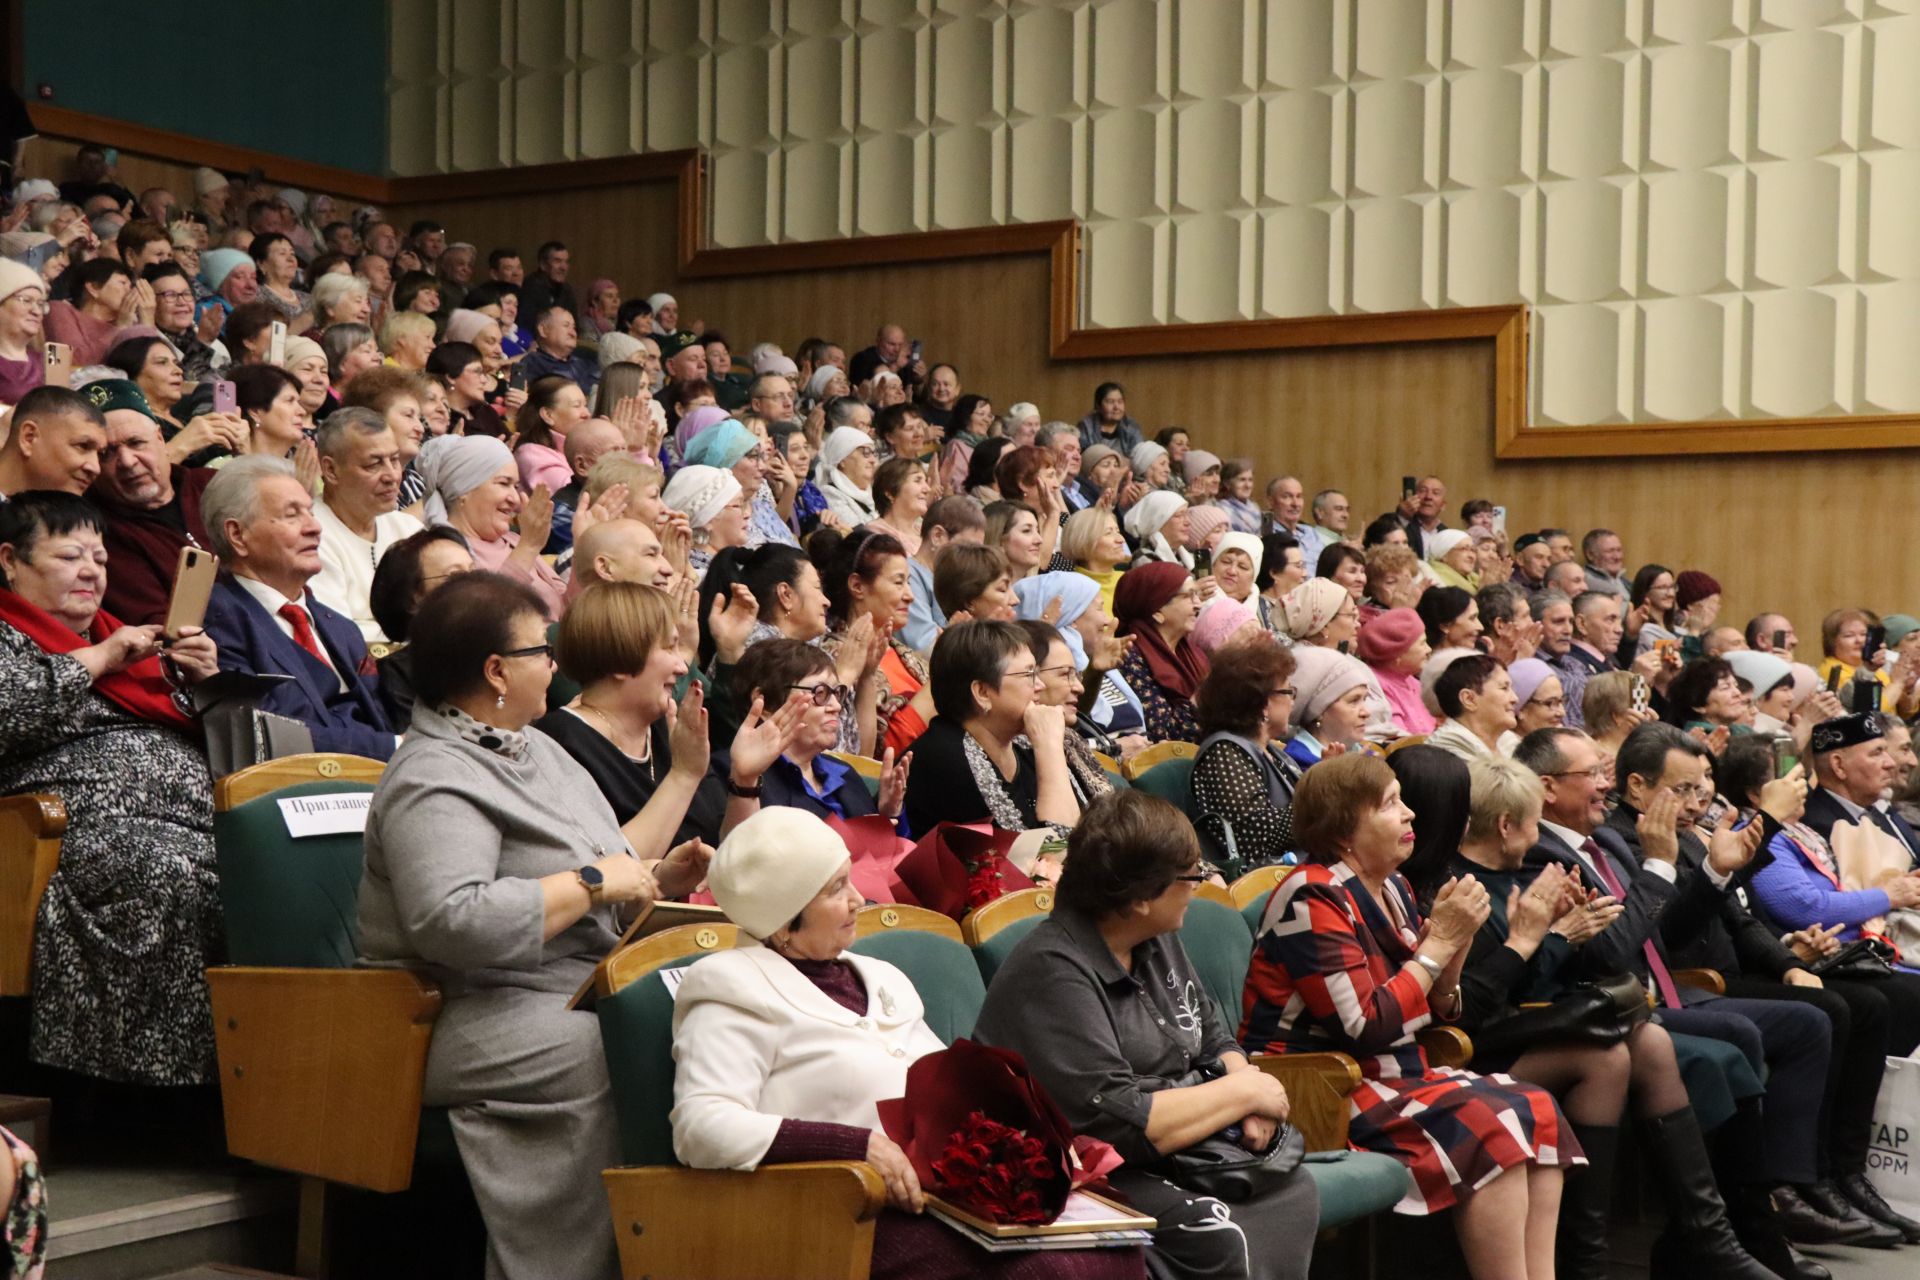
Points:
x=1218 y=1165
x=1604 y=1011
x=1861 y=958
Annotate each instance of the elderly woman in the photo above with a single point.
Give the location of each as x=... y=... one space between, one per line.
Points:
x=1243 y=781
x=1104 y=472
x=1058 y=684
x=1092 y=540
x=278 y=268
x=350 y=350
x=1480 y=821
x=1236 y=496
x=972 y=584
x=1705 y=695
x=1320 y=612
x=1113 y=721
x=1157 y=604
x=1394 y=580
x=406 y=339
x=1344 y=962
x=400 y=397
x=1223 y=622
x=1110 y=1015
x=104 y=299
x=1451 y=556
x=554 y=407
x=993 y=753
x=1331 y=704
x=1109 y=424
x=1158 y=523
x=901 y=497
x=340 y=299
x=846 y=469
x=1200 y=471
x=618 y=642
x=1394 y=646
x=493 y=862
x=92 y=711
x=1608 y=712
x=473 y=488
x=1237 y=559
x=458 y=368
x=866 y=576
x=1540 y=703
x=1152 y=465
x=1475 y=696
x=783 y=1049
x=1283 y=566
x=1346 y=566
x=1773 y=690
x=23 y=312
x=804 y=776
x=719 y=511
x=149 y=362
x=410 y=569
x=742 y=450
x=307 y=362
x=1206 y=525
x=268 y=398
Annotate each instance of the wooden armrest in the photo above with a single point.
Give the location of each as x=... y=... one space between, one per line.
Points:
x=30 y=830
x=1446 y=1046
x=707 y=1224
x=1317 y=1088
x=321 y=1069
x=1705 y=979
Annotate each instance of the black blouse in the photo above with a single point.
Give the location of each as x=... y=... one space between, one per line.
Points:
x=627 y=783
x=949 y=783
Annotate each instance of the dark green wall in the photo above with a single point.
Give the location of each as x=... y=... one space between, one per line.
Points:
x=303 y=80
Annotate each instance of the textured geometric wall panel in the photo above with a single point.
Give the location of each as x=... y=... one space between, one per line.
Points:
x=1708 y=203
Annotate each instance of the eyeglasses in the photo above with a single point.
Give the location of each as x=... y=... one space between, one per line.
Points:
x=1598 y=773
x=543 y=650
x=1551 y=704
x=172 y=295
x=1287 y=692
x=29 y=302
x=1192 y=877
x=1692 y=791
x=1063 y=672
x=823 y=695
x=1031 y=674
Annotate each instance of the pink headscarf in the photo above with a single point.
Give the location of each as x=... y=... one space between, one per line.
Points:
x=694 y=421
x=1218 y=621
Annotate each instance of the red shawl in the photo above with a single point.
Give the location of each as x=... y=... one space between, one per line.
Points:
x=139 y=689
x=1141 y=591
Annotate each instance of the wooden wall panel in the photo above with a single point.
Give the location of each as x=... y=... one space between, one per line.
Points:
x=1776 y=532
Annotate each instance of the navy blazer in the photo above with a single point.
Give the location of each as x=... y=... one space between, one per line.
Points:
x=250 y=640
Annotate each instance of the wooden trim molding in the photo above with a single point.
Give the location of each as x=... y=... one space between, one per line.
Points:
x=1507 y=326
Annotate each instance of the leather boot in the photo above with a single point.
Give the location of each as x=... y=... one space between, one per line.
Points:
x=1580 y=1244
x=1819 y=1214
x=1760 y=1235
x=1864 y=1196
x=1699 y=1242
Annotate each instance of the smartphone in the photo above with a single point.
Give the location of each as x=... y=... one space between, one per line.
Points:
x=223 y=397
x=1665 y=647
x=277 y=347
x=1786 y=756
x=1866 y=696
x=1500 y=522
x=913 y=352
x=1202 y=563
x=1876 y=641
x=1407 y=485
x=59 y=365
x=517 y=380
x=1833 y=680
x=192 y=588
x=1641 y=694
x=1779 y=642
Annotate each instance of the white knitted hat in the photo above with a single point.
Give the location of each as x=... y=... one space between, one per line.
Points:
x=771 y=866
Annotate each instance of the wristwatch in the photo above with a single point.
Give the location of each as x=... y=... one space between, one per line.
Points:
x=1433 y=967
x=744 y=792
x=592 y=881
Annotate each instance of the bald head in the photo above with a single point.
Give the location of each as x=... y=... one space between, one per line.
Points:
x=590 y=441
x=619 y=551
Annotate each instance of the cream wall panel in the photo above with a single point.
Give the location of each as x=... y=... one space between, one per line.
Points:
x=1708 y=203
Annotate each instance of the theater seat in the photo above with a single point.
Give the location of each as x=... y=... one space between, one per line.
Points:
x=926 y=946
x=1171 y=780
x=675 y=1223
x=1157 y=754
x=1356 y=1184
x=31 y=827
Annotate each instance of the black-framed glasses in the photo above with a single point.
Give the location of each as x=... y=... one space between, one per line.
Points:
x=823 y=695
x=1598 y=773
x=543 y=650
x=1197 y=877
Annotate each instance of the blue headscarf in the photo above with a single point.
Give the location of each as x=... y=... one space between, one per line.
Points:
x=1076 y=593
x=722 y=445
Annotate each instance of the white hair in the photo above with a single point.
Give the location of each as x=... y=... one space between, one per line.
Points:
x=234 y=494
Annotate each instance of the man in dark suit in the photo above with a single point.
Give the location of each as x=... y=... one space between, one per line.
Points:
x=260 y=523
x=1854 y=780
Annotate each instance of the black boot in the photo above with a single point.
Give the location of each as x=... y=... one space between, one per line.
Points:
x=1699 y=1243
x=1864 y=1196
x=1580 y=1244
x=1844 y=1224
x=1760 y=1235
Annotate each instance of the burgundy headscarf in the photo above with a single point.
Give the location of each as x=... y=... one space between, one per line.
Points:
x=1136 y=596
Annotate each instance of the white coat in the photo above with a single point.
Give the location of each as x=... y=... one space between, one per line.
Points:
x=755 y=1042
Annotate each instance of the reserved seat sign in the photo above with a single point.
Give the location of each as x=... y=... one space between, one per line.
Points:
x=340 y=815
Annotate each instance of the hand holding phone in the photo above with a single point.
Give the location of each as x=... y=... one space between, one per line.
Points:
x=59 y=365
x=224 y=400
x=192 y=588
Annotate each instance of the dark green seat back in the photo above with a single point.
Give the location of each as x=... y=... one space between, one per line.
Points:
x=636 y=1033
x=993 y=953
x=1218 y=944
x=941 y=970
x=1355 y=1184
x=1254 y=911
x=1172 y=781
x=288 y=903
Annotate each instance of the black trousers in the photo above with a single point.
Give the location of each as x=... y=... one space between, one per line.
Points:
x=1862 y=1016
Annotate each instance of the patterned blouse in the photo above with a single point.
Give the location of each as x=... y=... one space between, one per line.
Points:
x=1170 y=717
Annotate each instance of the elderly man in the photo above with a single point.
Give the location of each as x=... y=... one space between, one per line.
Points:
x=847 y=411
x=1508 y=618
x=1532 y=558
x=1772 y=633
x=260 y=523
x=771 y=396
x=152 y=507
x=1604 y=555
x=1062 y=440
x=890 y=351
x=1596 y=637
x=455 y=269
x=159 y=204
x=585 y=445
x=1332 y=514
x=1560 y=544
x=1721 y=641
x=547 y=286
x=619 y=551
x=1286 y=511
x=55 y=442
x=358 y=512
x=955 y=518
x=555 y=353
x=1568 y=578
x=686 y=358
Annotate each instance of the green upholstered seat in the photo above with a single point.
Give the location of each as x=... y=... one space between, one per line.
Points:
x=941 y=970
x=1253 y=912
x=1218 y=944
x=993 y=953
x=288 y=903
x=636 y=1033
x=1354 y=1184
x=1119 y=781
x=1171 y=780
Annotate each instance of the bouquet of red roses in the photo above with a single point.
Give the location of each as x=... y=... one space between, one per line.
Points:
x=955 y=869
x=982 y=1134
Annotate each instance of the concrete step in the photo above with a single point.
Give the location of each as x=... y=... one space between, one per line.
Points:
x=147 y=1219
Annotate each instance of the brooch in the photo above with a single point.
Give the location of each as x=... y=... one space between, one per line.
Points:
x=886 y=1002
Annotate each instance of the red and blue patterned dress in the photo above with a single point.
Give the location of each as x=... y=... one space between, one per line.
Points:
x=1327 y=976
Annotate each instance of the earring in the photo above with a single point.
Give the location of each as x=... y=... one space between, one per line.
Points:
x=500 y=701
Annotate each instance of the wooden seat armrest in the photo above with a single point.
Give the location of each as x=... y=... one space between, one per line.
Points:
x=31 y=827
x=707 y=1224
x=1317 y=1087
x=321 y=1070
x=1704 y=979
x=1446 y=1046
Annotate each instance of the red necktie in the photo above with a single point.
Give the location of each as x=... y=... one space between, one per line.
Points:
x=1662 y=980
x=303 y=631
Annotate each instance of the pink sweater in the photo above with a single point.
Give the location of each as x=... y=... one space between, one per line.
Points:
x=542 y=465
x=1403 y=696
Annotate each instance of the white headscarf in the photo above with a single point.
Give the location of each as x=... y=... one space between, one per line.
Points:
x=700 y=493
x=655 y=301
x=454 y=466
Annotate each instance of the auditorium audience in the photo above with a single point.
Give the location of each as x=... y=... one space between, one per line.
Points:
x=1243 y=781
x=472 y=486
x=96 y=711
x=359 y=521
x=1108 y=1012
x=1158 y=605
x=411 y=568
x=1346 y=961
x=54 y=440
x=152 y=510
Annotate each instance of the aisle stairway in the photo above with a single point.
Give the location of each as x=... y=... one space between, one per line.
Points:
x=143 y=1219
